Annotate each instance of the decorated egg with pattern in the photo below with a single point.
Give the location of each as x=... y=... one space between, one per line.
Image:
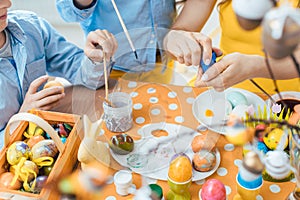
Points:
x=204 y=160
x=16 y=151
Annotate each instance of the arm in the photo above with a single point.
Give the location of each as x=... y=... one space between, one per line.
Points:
x=75 y=11
x=184 y=42
x=194 y=15
x=64 y=59
x=227 y=72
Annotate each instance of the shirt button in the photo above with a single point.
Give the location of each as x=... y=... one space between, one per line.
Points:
x=152 y=35
x=151 y=41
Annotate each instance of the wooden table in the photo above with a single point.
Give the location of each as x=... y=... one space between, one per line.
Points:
x=80 y=100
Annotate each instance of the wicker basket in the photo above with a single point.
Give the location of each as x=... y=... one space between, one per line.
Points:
x=66 y=159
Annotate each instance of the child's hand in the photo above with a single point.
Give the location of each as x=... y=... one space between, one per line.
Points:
x=44 y=99
x=100 y=41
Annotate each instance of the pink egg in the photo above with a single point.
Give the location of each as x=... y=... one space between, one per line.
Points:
x=213 y=189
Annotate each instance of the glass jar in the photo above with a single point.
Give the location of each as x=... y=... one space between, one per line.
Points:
x=118 y=115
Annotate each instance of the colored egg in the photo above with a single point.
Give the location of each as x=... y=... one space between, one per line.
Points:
x=204 y=160
x=239 y=135
x=236 y=98
x=40 y=183
x=33 y=140
x=121 y=144
x=44 y=148
x=213 y=189
x=47 y=169
x=25 y=171
x=6 y=179
x=16 y=151
x=180 y=169
x=202 y=142
x=273 y=138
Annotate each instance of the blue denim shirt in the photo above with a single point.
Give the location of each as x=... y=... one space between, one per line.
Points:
x=147 y=22
x=37 y=50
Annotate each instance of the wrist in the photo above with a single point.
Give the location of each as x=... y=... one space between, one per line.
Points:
x=259 y=68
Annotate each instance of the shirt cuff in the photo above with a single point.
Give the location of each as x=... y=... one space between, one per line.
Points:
x=84 y=11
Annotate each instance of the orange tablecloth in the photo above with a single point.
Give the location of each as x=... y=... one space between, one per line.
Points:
x=173 y=104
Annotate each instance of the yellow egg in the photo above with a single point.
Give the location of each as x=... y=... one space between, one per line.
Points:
x=273 y=138
x=239 y=136
x=16 y=151
x=180 y=169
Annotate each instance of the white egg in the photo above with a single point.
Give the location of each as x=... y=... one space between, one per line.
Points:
x=277 y=164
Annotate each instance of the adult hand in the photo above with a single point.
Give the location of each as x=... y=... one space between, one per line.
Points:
x=100 y=41
x=187 y=47
x=230 y=70
x=44 y=99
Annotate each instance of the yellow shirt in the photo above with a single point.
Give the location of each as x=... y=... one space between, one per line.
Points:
x=235 y=39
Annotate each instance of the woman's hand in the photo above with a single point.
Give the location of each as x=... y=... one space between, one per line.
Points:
x=44 y=99
x=230 y=70
x=100 y=41
x=189 y=47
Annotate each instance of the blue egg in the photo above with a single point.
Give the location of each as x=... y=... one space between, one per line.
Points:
x=262 y=147
x=63 y=139
x=236 y=98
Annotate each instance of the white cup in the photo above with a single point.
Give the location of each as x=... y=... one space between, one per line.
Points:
x=123 y=182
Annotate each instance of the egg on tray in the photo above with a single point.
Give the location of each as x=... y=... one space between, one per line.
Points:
x=200 y=142
x=180 y=169
x=204 y=160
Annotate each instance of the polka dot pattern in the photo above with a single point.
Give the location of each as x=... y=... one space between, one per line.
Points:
x=110 y=198
x=274 y=188
x=190 y=100
x=154 y=103
x=179 y=119
x=172 y=95
x=187 y=89
x=151 y=90
x=153 y=100
x=200 y=182
x=101 y=132
x=201 y=128
x=134 y=94
x=238 y=162
x=155 y=111
x=222 y=171
x=110 y=180
x=140 y=120
x=228 y=190
x=173 y=106
x=138 y=106
x=228 y=147
x=132 y=84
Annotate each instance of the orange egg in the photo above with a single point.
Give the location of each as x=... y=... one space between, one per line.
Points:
x=202 y=142
x=180 y=169
x=6 y=179
x=33 y=140
x=204 y=161
x=53 y=83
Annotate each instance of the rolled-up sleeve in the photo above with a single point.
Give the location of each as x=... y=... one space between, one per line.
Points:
x=91 y=74
x=70 y=13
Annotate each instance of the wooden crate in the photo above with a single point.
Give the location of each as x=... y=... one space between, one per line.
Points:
x=65 y=161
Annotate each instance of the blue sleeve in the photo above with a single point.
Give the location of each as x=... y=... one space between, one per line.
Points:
x=64 y=59
x=70 y=13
